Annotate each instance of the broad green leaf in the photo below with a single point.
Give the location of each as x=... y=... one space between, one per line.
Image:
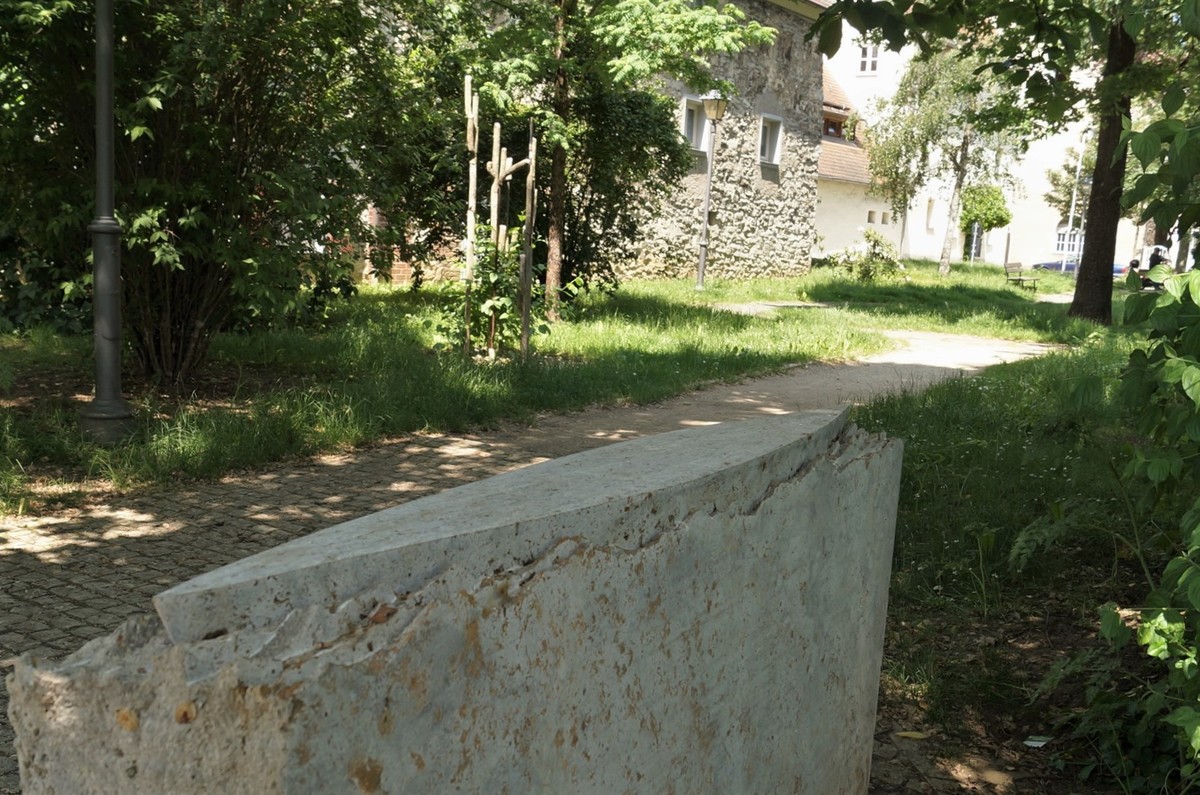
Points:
x=830 y=40
x=1142 y=187
x=1146 y=147
x=1173 y=99
x=1189 y=16
x=1158 y=470
x=1185 y=154
x=1188 y=720
x=1112 y=626
x=1139 y=306
x=1190 y=381
x=1193 y=593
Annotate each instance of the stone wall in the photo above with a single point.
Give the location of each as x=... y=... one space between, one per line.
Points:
x=695 y=612
x=761 y=219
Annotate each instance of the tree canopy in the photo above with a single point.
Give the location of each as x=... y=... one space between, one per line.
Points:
x=251 y=137
x=1053 y=56
x=939 y=127
x=571 y=61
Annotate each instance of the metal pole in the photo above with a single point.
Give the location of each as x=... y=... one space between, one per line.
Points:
x=105 y=418
x=1071 y=214
x=712 y=138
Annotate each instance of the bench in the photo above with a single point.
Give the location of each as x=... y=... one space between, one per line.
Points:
x=1012 y=273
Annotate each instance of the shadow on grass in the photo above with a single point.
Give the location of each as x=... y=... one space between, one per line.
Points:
x=953 y=305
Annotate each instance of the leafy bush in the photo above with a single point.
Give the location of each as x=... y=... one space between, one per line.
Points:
x=873 y=258
x=1149 y=734
x=489 y=307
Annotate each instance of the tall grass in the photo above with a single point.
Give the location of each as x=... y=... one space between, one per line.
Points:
x=1010 y=506
x=370 y=373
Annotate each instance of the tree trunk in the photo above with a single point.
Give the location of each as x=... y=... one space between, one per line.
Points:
x=960 y=176
x=557 y=211
x=1093 y=287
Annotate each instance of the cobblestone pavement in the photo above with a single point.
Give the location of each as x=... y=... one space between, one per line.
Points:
x=71 y=577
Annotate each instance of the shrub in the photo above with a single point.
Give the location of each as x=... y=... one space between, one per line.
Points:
x=869 y=260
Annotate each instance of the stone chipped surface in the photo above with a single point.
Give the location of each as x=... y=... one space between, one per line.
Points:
x=645 y=656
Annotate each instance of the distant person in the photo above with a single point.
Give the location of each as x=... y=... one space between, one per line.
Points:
x=1158 y=256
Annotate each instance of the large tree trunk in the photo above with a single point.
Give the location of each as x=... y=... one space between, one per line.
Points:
x=960 y=176
x=1093 y=288
x=557 y=210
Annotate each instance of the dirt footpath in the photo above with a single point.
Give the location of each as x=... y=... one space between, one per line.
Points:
x=920 y=359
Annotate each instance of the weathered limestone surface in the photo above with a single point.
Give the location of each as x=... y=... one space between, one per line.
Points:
x=696 y=612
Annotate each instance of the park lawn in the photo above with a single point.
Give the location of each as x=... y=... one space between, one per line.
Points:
x=1009 y=510
x=370 y=371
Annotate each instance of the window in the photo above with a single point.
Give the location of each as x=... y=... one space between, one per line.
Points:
x=834 y=128
x=868 y=59
x=870 y=216
x=929 y=206
x=770 y=140
x=1069 y=246
x=695 y=124
x=887 y=218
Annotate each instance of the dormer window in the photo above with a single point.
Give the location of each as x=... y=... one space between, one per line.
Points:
x=834 y=128
x=868 y=59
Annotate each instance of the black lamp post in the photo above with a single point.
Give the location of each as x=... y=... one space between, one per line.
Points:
x=106 y=418
x=714 y=109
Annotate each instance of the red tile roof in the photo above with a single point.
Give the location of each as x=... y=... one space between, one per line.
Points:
x=843 y=161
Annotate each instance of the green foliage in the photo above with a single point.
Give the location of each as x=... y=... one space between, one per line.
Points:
x=939 y=125
x=1049 y=61
x=875 y=257
x=1150 y=737
x=616 y=179
x=985 y=204
x=569 y=64
x=250 y=138
x=488 y=309
x=1068 y=181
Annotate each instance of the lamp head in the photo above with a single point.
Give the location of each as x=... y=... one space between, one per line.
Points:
x=714 y=105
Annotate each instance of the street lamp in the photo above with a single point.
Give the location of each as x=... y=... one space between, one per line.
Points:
x=714 y=110
x=106 y=418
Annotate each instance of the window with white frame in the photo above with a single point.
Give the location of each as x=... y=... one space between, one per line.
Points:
x=770 y=140
x=695 y=123
x=1068 y=244
x=868 y=58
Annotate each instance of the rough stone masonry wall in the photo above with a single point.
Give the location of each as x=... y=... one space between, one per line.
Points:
x=761 y=216
x=696 y=612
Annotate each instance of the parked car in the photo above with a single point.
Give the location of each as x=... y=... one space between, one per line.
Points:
x=1120 y=269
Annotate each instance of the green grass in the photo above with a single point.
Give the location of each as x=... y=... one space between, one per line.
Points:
x=1007 y=538
x=370 y=373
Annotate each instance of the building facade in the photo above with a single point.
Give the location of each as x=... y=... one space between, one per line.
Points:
x=868 y=73
x=764 y=170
